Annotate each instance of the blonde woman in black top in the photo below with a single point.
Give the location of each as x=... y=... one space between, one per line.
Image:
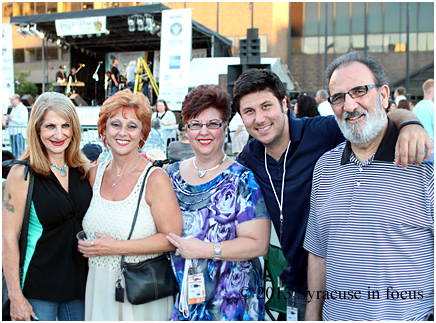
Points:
x=54 y=273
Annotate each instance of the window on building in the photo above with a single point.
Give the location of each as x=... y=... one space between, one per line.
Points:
x=342 y=21
x=375 y=17
x=375 y=43
x=311 y=24
x=413 y=42
x=358 y=18
x=38 y=52
x=342 y=44
x=28 y=8
x=52 y=53
x=19 y=55
x=392 y=17
x=391 y=42
x=39 y=8
x=426 y=17
x=29 y=55
x=357 y=42
x=7 y=9
x=330 y=18
x=87 y=5
x=311 y=45
x=330 y=45
x=52 y=7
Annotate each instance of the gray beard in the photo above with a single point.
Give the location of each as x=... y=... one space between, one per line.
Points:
x=358 y=133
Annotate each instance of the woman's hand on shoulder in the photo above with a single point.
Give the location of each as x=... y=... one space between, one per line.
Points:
x=164 y=206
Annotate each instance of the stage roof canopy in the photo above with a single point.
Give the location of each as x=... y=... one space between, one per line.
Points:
x=120 y=39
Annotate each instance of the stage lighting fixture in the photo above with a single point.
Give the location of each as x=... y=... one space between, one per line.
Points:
x=131 y=23
x=156 y=29
x=140 y=23
x=21 y=32
x=148 y=23
x=27 y=30
x=36 y=32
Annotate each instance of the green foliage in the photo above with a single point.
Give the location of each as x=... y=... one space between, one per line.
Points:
x=26 y=87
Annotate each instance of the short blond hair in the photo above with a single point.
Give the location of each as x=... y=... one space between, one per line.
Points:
x=428 y=85
x=36 y=152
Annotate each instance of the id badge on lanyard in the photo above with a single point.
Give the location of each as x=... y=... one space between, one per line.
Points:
x=196 y=291
x=292 y=311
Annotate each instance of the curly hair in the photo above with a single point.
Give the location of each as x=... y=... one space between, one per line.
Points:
x=203 y=97
x=124 y=101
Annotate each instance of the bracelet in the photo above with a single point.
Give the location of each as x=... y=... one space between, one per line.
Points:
x=409 y=122
x=216 y=251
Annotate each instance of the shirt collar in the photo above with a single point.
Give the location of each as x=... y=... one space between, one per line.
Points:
x=295 y=132
x=386 y=150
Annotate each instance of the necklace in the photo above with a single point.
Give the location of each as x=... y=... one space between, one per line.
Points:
x=125 y=175
x=203 y=171
x=63 y=172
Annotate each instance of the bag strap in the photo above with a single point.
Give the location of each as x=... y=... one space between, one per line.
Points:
x=137 y=208
x=28 y=175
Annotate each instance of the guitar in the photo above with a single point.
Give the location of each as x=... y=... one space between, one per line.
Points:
x=70 y=80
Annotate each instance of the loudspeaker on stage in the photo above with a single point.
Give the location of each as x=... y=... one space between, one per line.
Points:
x=27 y=100
x=77 y=100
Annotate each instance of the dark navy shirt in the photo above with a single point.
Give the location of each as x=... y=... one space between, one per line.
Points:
x=310 y=139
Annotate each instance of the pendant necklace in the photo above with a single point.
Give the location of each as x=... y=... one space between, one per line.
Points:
x=203 y=171
x=124 y=175
x=63 y=171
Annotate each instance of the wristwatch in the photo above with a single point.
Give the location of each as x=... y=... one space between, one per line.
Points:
x=216 y=251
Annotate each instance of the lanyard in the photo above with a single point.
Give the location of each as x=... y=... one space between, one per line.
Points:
x=280 y=203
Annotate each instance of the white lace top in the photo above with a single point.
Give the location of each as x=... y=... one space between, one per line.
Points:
x=115 y=219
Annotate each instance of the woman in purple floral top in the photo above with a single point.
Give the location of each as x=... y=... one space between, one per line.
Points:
x=226 y=223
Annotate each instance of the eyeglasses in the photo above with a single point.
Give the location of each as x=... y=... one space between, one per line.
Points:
x=355 y=92
x=209 y=125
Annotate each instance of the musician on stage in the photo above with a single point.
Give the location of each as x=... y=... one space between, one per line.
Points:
x=73 y=79
x=61 y=77
x=115 y=76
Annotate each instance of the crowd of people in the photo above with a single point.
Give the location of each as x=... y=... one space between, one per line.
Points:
x=345 y=180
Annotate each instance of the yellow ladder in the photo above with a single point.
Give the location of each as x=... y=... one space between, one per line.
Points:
x=140 y=65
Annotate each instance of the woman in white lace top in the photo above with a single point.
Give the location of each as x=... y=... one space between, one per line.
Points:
x=123 y=126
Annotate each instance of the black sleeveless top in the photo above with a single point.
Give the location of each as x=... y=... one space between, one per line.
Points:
x=54 y=269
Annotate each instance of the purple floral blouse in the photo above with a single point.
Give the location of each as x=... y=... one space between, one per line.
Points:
x=211 y=212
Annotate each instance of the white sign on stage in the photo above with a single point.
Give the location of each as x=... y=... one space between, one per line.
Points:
x=175 y=56
x=81 y=26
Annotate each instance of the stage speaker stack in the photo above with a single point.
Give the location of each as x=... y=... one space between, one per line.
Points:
x=28 y=100
x=77 y=100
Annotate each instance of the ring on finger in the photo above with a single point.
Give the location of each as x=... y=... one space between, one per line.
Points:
x=92 y=243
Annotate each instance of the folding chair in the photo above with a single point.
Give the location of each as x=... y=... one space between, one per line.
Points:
x=274 y=264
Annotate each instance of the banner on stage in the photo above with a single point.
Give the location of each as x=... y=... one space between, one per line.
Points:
x=81 y=26
x=175 y=56
x=8 y=88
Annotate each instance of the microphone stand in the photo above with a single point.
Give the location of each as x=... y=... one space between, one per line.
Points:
x=95 y=77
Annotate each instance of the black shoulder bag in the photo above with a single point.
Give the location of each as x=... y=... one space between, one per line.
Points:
x=148 y=280
x=28 y=174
